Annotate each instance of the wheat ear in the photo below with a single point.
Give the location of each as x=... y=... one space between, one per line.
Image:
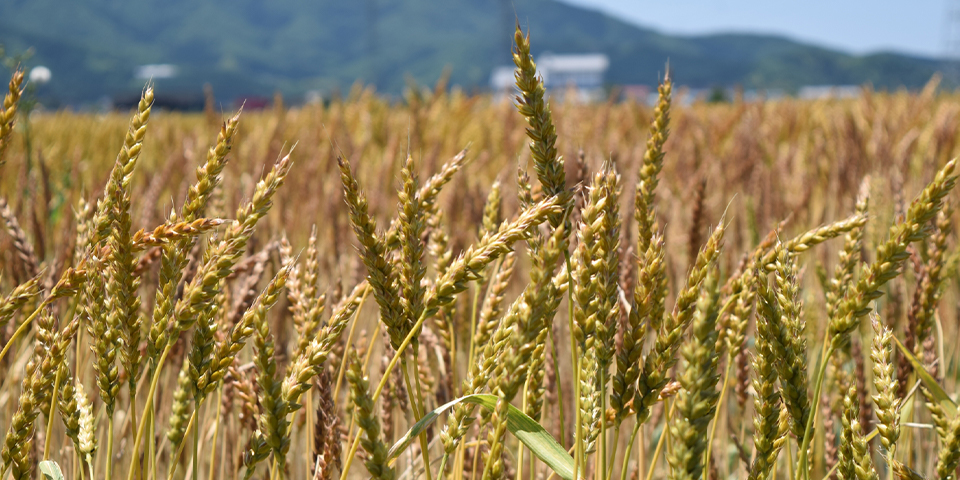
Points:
x=377 y=463
x=20 y=296
x=381 y=274
x=645 y=212
x=698 y=394
x=769 y=423
x=9 y=113
x=888 y=405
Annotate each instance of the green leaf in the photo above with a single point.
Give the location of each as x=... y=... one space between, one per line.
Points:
x=928 y=381
x=50 y=470
x=526 y=429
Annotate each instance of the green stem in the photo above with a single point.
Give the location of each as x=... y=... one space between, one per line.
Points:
x=473 y=471
x=808 y=429
x=459 y=460
x=471 y=356
x=133 y=412
x=629 y=450
x=196 y=441
x=417 y=402
x=223 y=448
x=663 y=437
x=459 y=473
x=471 y=352
x=443 y=465
x=385 y=376
x=891 y=460
x=151 y=394
x=790 y=471
x=613 y=454
x=351 y=455
x=78 y=361
x=602 y=454
x=309 y=427
x=176 y=459
x=109 y=466
x=716 y=412
x=520 y=444
x=216 y=432
x=152 y=445
x=473 y=324
x=556 y=370
x=366 y=359
x=455 y=378
x=50 y=414
x=575 y=364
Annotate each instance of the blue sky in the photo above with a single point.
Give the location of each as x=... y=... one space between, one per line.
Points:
x=858 y=26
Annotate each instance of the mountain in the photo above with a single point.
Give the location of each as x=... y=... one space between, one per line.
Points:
x=255 y=47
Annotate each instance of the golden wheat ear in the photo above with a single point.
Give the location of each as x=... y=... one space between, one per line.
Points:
x=8 y=115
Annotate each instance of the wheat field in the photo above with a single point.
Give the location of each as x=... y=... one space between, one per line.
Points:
x=460 y=286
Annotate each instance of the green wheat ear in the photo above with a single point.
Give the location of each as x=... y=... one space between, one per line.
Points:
x=697 y=398
x=892 y=253
x=532 y=104
x=769 y=421
x=364 y=415
x=888 y=405
x=854 y=462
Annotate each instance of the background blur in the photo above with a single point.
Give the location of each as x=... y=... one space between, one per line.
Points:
x=99 y=53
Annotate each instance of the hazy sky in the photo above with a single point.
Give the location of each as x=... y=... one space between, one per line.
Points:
x=917 y=26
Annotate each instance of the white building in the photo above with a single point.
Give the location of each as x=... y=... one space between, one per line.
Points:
x=155 y=71
x=822 y=92
x=581 y=73
x=502 y=80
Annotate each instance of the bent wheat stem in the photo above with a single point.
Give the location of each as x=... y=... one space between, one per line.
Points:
x=22 y=329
